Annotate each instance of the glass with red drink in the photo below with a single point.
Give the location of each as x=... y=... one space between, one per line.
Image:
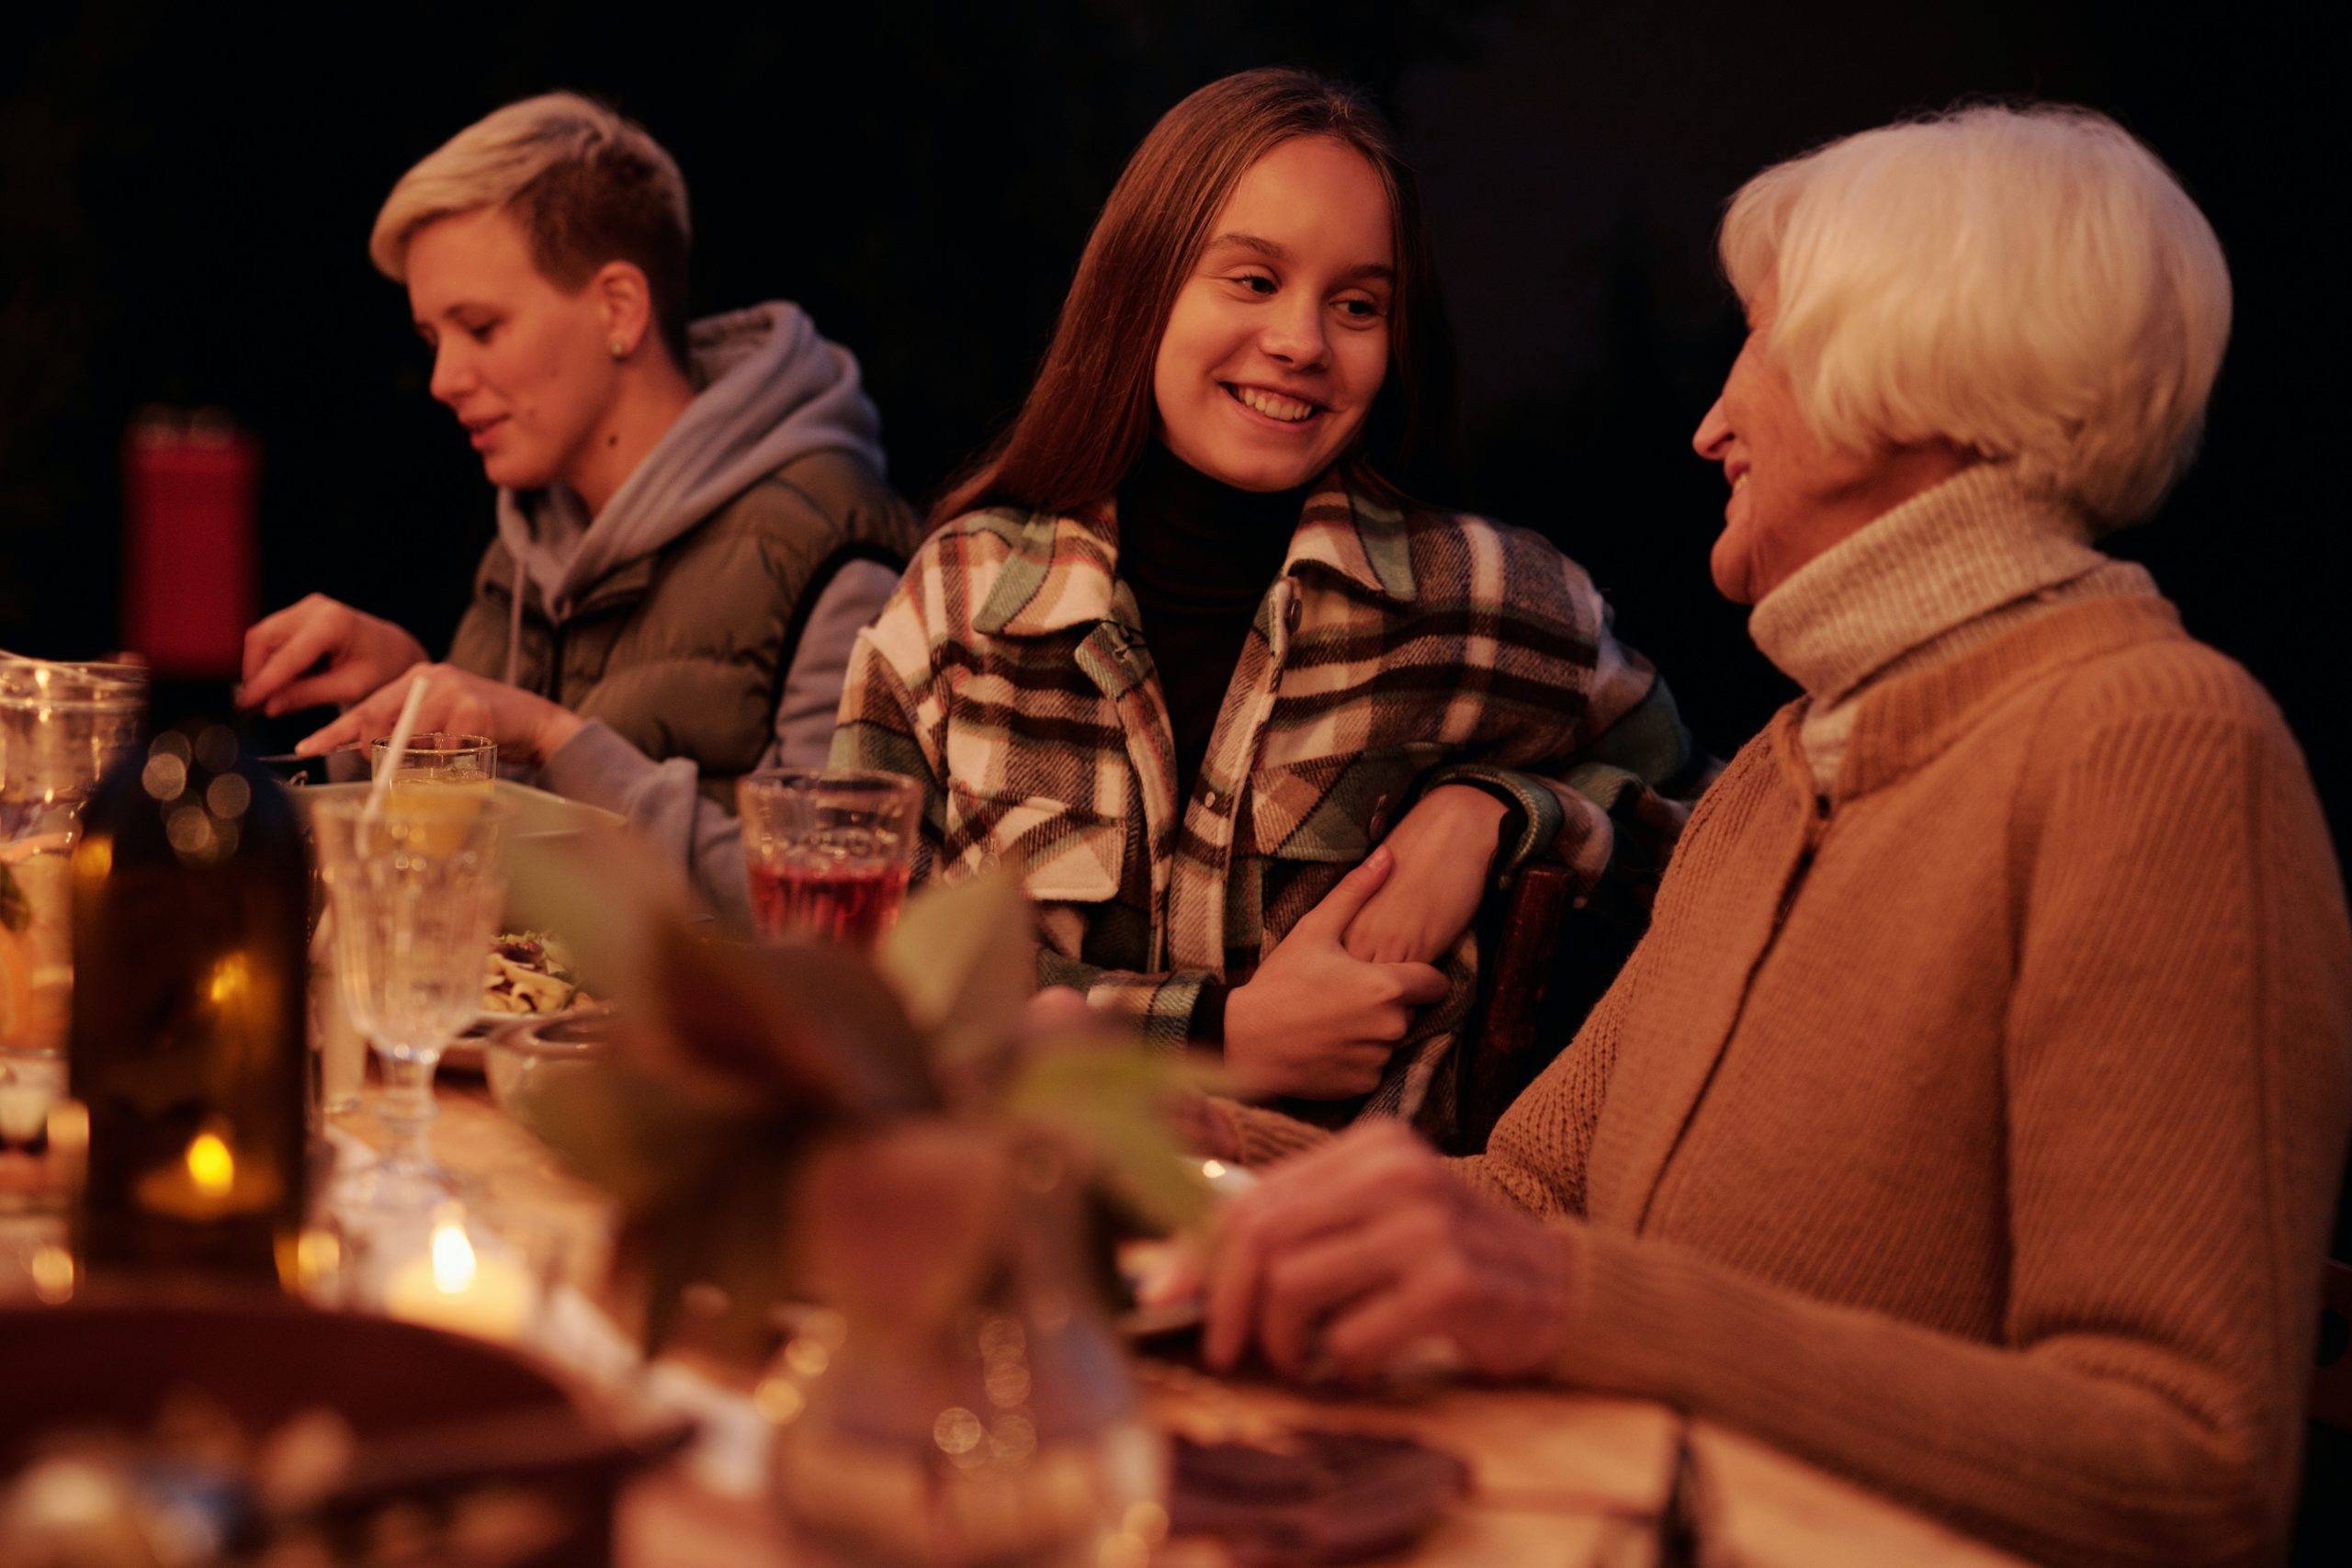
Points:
x=827 y=853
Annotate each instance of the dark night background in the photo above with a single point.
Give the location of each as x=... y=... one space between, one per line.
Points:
x=185 y=200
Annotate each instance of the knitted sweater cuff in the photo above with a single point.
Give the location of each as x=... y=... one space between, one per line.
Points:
x=1250 y=1134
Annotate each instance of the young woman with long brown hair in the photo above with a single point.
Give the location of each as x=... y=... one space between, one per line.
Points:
x=1260 y=725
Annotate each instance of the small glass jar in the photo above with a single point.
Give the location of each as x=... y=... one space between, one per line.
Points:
x=61 y=726
x=1003 y=1429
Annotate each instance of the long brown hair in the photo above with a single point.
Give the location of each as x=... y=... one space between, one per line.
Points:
x=1088 y=417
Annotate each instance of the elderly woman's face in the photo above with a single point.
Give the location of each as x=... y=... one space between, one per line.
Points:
x=1791 y=496
x=521 y=361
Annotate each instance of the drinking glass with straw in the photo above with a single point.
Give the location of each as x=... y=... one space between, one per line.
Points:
x=415 y=883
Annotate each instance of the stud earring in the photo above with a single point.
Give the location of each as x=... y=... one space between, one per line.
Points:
x=620 y=349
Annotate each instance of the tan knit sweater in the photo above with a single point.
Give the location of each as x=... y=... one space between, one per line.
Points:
x=1970 y=1117
x=1975 y=1133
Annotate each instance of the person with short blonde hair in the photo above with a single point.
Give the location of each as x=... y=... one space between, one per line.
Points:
x=585 y=186
x=1970 y=1117
x=693 y=520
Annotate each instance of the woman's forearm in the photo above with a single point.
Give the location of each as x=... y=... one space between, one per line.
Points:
x=2087 y=1446
x=664 y=808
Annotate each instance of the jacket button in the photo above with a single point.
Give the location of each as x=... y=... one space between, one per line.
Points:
x=1290 y=614
x=1211 y=799
x=1378 y=826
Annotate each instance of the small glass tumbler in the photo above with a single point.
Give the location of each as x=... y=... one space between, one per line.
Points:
x=438 y=760
x=828 y=855
x=61 y=727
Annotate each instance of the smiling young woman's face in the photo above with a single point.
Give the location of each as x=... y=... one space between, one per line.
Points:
x=1278 y=341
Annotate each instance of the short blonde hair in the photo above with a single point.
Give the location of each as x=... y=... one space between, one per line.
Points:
x=2029 y=282
x=587 y=187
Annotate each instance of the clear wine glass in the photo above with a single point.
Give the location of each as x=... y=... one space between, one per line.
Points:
x=416 y=884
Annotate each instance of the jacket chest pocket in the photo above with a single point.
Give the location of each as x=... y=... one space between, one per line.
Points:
x=1334 y=809
x=1066 y=855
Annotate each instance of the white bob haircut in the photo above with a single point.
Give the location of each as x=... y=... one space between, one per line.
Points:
x=586 y=186
x=2030 y=284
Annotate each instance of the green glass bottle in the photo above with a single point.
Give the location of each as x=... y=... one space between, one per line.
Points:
x=191 y=889
x=191 y=892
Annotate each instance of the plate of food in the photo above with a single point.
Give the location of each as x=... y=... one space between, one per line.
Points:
x=528 y=974
x=527 y=977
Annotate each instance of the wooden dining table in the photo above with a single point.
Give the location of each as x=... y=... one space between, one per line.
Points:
x=1555 y=1477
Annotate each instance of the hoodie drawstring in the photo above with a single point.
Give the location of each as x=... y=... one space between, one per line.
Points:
x=515 y=627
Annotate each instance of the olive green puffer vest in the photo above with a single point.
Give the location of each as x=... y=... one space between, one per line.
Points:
x=684 y=652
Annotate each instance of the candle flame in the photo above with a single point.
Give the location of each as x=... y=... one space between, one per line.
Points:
x=453 y=1257
x=210 y=1164
x=52 y=1271
x=318 y=1259
x=94 y=858
x=230 y=979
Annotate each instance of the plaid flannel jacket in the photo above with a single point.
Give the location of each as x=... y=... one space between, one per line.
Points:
x=1397 y=649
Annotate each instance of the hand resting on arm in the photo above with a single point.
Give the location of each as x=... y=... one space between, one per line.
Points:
x=1443 y=849
x=1315 y=1021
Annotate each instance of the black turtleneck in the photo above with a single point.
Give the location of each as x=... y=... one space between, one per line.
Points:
x=1199 y=557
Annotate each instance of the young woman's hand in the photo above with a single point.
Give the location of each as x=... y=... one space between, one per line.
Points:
x=318 y=650
x=1443 y=849
x=1315 y=1021
x=528 y=730
x=1367 y=1256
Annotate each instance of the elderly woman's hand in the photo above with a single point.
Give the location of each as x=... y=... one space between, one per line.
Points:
x=528 y=730
x=319 y=650
x=1368 y=1254
x=1443 y=848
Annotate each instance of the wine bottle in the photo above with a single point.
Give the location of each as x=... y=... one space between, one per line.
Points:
x=191 y=891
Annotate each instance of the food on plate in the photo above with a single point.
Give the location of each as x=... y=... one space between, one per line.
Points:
x=528 y=972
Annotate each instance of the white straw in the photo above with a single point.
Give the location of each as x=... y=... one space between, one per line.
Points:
x=396 y=748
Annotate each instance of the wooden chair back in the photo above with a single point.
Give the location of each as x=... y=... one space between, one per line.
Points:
x=1504 y=1046
x=2332 y=1374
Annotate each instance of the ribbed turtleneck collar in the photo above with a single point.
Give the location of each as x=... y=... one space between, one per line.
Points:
x=1186 y=538
x=1946 y=557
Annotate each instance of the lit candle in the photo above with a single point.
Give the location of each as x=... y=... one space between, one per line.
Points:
x=208 y=1182
x=457 y=1285
x=23 y=1110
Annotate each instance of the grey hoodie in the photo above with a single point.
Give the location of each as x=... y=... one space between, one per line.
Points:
x=768 y=389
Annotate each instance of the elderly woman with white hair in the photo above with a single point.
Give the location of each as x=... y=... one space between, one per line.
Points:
x=1969 y=1119
x=692 y=518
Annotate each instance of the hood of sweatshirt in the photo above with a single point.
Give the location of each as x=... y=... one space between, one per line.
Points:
x=769 y=389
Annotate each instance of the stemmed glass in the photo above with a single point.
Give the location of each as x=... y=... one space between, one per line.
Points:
x=415 y=885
